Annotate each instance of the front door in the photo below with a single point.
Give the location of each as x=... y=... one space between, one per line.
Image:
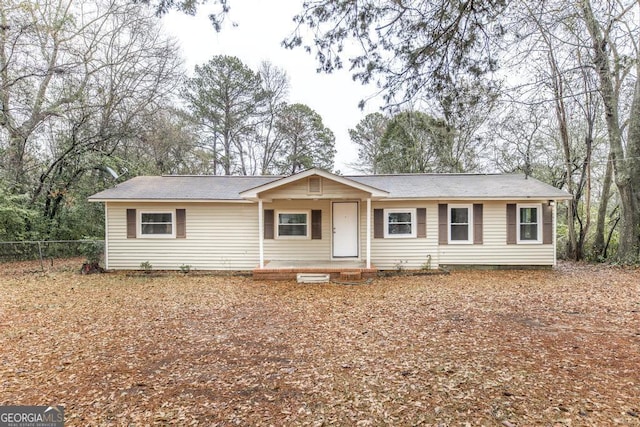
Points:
x=345 y=229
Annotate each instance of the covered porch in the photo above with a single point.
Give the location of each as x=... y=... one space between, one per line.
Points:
x=314 y=222
x=337 y=270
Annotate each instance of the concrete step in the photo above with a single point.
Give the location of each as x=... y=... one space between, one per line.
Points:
x=313 y=278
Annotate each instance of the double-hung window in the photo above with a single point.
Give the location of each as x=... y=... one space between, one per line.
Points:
x=157 y=224
x=460 y=223
x=293 y=224
x=529 y=223
x=399 y=223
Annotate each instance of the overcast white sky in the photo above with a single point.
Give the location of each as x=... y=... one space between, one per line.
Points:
x=261 y=28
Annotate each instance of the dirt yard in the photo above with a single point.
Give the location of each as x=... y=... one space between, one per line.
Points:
x=505 y=348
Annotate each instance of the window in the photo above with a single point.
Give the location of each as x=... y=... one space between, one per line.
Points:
x=529 y=223
x=399 y=223
x=293 y=224
x=157 y=224
x=460 y=224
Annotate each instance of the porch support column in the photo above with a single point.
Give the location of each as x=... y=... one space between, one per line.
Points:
x=369 y=232
x=555 y=237
x=261 y=233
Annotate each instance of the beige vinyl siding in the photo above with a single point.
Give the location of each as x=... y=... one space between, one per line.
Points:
x=220 y=236
x=411 y=253
x=300 y=190
x=287 y=249
x=224 y=236
x=495 y=250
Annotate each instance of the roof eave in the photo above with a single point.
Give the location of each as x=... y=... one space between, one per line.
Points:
x=386 y=198
x=110 y=200
x=470 y=198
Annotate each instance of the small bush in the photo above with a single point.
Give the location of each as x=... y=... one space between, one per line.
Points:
x=146 y=266
x=92 y=249
x=400 y=265
x=427 y=264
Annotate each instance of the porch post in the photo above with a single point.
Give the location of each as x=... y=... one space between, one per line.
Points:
x=555 y=237
x=261 y=233
x=106 y=235
x=369 y=232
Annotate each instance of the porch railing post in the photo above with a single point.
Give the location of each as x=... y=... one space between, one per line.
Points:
x=261 y=233
x=369 y=232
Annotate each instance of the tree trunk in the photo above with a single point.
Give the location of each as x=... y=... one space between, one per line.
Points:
x=294 y=156
x=585 y=188
x=561 y=115
x=226 y=161
x=599 y=243
x=15 y=163
x=629 y=235
x=632 y=214
x=215 y=153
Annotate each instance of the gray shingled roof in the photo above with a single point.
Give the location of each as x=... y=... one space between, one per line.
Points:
x=424 y=186
x=462 y=186
x=183 y=188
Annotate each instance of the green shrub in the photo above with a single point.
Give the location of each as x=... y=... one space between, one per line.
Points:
x=92 y=249
x=146 y=266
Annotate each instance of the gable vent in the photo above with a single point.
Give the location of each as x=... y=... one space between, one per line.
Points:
x=315 y=185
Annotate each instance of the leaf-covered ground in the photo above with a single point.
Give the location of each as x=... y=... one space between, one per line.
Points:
x=510 y=348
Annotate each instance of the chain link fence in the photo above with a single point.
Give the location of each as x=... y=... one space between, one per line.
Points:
x=45 y=249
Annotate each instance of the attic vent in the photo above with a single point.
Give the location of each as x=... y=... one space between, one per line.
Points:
x=315 y=185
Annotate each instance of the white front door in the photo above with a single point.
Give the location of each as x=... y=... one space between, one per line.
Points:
x=345 y=229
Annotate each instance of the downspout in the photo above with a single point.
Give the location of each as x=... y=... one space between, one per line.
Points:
x=261 y=233
x=438 y=235
x=369 y=232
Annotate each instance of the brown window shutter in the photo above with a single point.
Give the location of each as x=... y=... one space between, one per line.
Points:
x=316 y=224
x=421 y=213
x=443 y=226
x=477 y=223
x=378 y=223
x=181 y=223
x=511 y=224
x=268 y=223
x=131 y=224
x=547 y=223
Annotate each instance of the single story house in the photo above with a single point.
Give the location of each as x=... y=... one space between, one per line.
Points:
x=315 y=217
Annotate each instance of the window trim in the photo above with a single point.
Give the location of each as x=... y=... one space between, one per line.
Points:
x=142 y=235
x=414 y=223
x=469 y=208
x=538 y=206
x=276 y=221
